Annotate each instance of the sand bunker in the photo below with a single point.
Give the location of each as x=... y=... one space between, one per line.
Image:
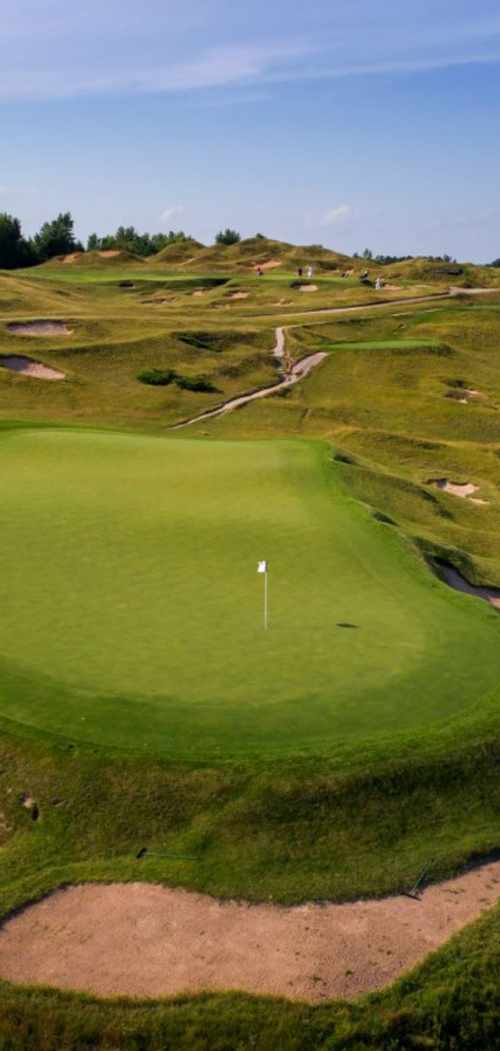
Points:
x=199 y=292
x=463 y=394
x=71 y=257
x=27 y=367
x=271 y=265
x=39 y=328
x=139 y=939
x=455 y=580
x=307 y=288
x=109 y=253
x=240 y=295
x=463 y=489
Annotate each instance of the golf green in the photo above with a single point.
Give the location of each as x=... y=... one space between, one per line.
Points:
x=132 y=611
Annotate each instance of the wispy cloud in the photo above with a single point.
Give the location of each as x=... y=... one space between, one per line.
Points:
x=338 y=215
x=171 y=212
x=52 y=49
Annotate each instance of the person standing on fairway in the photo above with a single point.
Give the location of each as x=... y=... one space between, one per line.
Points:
x=310 y=273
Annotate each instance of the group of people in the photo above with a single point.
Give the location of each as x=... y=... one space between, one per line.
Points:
x=309 y=272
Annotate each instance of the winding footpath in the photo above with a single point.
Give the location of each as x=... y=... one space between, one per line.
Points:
x=297 y=372
x=302 y=368
x=140 y=939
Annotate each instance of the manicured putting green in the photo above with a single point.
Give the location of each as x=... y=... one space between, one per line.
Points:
x=132 y=612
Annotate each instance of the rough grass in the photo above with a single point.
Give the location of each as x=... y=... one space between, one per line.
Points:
x=362 y=819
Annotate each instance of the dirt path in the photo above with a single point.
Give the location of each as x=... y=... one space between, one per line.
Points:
x=297 y=372
x=140 y=939
x=451 y=294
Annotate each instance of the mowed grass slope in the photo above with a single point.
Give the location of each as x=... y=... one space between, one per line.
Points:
x=132 y=610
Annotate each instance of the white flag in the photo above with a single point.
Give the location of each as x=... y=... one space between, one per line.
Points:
x=262 y=567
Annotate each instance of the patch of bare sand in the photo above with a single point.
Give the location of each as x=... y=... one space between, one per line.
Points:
x=27 y=367
x=463 y=489
x=71 y=257
x=139 y=939
x=455 y=580
x=109 y=253
x=308 y=288
x=199 y=292
x=39 y=328
x=240 y=295
x=271 y=265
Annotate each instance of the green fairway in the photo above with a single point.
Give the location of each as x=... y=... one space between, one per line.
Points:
x=132 y=608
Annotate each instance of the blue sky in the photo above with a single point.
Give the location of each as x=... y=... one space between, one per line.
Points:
x=348 y=124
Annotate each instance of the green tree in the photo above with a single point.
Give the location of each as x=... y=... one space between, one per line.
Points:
x=93 y=243
x=14 y=249
x=367 y=254
x=227 y=237
x=56 y=238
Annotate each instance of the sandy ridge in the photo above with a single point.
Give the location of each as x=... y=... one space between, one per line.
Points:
x=140 y=939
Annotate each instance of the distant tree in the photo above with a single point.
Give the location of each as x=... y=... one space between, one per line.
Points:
x=355 y=255
x=386 y=260
x=367 y=254
x=227 y=237
x=56 y=238
x=128 y=239
x=14 y=249
x=260 y=237
x=496 y=262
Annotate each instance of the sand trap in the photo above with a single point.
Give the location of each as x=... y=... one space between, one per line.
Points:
x=462 y=395
x=455 y=580
x=39 y=328
x=27 y=367
x=139 y=939
x=109 y=253
x=392 y=288
x=307 y=288
x=240 y=295
x=71 y=257
x=199 y=292
x=271 y=265
x=463 y=489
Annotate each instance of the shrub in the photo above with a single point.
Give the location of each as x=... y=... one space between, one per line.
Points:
x=198 y=383
x=157 y=377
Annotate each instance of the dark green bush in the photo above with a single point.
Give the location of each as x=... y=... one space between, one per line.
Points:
x=198 y=383
x=157 y=377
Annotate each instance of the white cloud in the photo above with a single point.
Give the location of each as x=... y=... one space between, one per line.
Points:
x=337 y=216
x=170 y=212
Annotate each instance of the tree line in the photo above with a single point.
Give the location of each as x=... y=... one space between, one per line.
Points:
x=57 y=237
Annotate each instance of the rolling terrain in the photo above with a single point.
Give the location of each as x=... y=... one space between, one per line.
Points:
x=355 y=745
